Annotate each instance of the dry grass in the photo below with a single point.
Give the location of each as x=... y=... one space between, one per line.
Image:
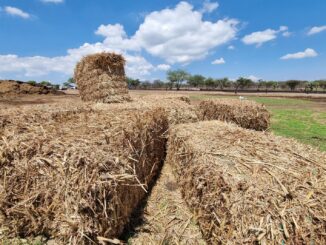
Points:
x=250 y=187
x=74 y=172
x=178 y=108
x=101 y=78
x=245 y=113
x=77 y=174
x=12 y=89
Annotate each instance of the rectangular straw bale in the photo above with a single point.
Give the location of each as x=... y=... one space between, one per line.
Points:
x=178 y=108
x=245 y=113
x=76 y=175
x=248 y=187
x=101 y=78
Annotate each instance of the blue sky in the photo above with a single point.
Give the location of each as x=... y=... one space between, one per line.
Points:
x=280 y=39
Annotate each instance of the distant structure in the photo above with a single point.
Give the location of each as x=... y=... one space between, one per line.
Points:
x=101 y=78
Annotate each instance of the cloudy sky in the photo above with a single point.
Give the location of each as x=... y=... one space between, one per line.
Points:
x=279 y=39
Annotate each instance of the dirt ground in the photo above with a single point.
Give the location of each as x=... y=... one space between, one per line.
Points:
x=72 y=96
x=166 y=218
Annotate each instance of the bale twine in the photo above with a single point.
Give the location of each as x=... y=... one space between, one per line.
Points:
x=101 y=78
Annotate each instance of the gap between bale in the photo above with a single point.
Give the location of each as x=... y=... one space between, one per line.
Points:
x=250 y=187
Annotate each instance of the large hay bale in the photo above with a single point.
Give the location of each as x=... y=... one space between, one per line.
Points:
x=249 y=187
x=101 y=78
x=178 y=108
x=245 y=113
x=77 y=175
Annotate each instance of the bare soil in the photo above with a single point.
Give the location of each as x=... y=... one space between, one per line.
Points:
x=166 y=219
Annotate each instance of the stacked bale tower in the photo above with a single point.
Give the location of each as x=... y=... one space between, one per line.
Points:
x=101 y=78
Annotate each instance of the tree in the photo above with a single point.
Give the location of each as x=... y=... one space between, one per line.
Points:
x=242 y=82
x=177 y=77
x=274 y=84
x=268 y=85
x=210 y=82
x=309 y=86
x=169 y=85
x=32 y=83
x=46 y=83
x=292 y=84
x=158 y=83
x=71 y=80
x=320 y=84
x=260 y=83
x=145 y=84
x=222 y=83
x=196 y=80
x=132 y=83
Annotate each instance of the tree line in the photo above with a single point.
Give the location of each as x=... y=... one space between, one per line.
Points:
x=70 y=83
x=180 y=79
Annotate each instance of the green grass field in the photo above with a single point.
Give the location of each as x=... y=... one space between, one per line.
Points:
x=301 y=119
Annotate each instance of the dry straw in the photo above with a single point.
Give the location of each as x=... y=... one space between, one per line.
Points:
x=78 y=174
x=12 y=88
x=178 y=108
x=245 y=113
x=101 y=78
x=74 y=172
x=248 y=187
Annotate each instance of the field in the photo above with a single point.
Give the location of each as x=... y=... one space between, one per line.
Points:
x=302 y=119
x=298 y=116
x=165 y=216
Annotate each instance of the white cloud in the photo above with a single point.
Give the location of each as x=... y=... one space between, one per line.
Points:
x=219 y=61
x=316 y=29
x=231 y=47
x=253 y=78
x=283 y=28
x=116 y=41
x=16 y=12
x=180 y=35
x=209 y=7
x=136 y=66
x=261 y=37
x=163 y=67
x=116 y=37
x=177 y=35
x=52 y=1
x=286 y=34
x=300 y=55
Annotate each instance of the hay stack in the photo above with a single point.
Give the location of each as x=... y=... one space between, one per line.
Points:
x=245 y=113
x=77 y=175
x=101 y=78
x=178 y=108
x=248 y=187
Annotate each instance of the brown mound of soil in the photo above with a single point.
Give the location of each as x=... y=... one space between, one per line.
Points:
x=12 y=87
